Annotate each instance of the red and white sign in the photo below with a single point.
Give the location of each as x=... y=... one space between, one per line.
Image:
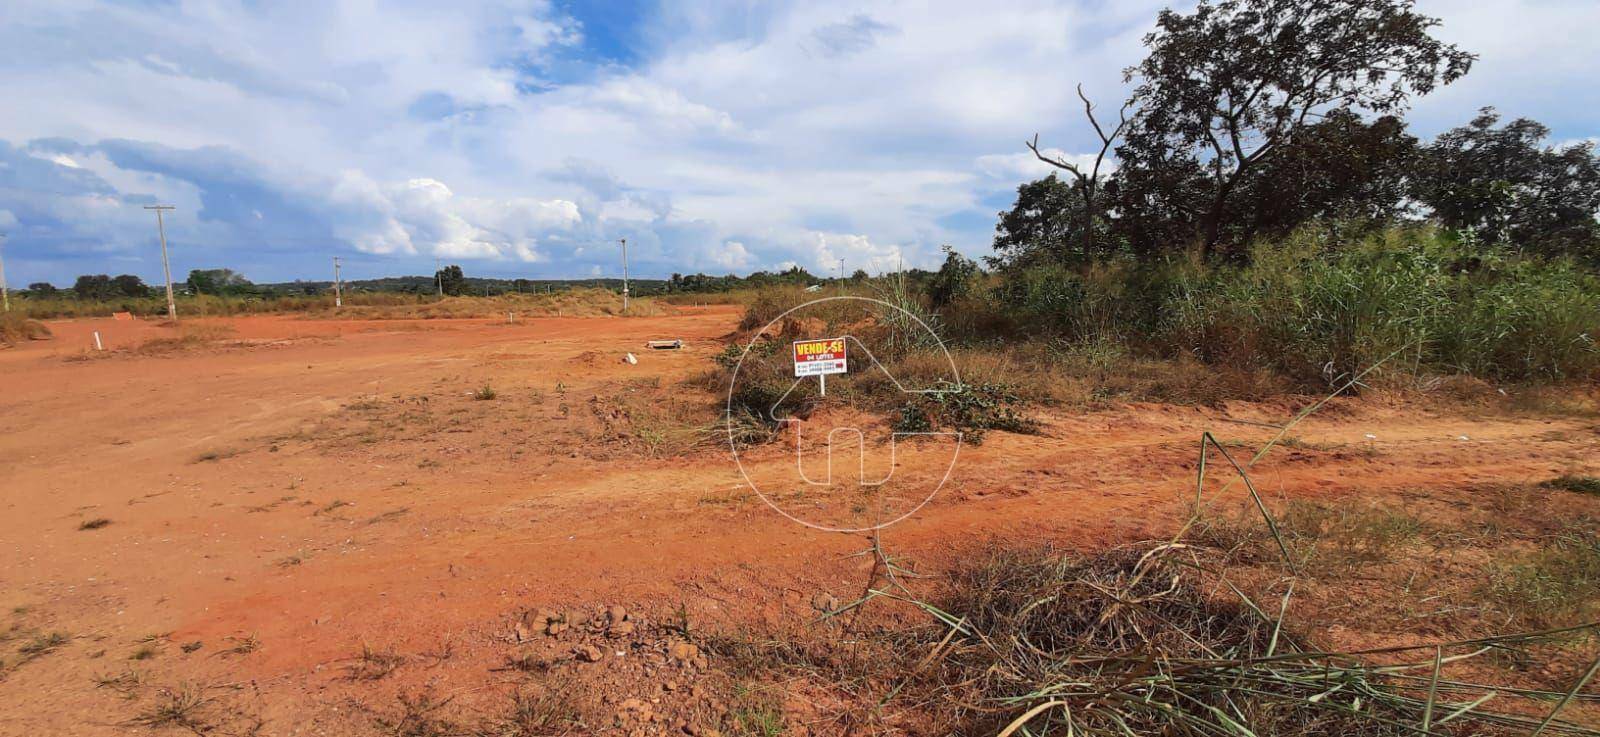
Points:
x=819 y=357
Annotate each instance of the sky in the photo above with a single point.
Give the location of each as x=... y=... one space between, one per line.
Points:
x=523 y=139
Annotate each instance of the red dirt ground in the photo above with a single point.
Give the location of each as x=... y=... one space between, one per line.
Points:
x=320 y=484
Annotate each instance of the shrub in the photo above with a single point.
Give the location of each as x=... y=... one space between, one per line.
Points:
x=1320 y=309
x=14 y=328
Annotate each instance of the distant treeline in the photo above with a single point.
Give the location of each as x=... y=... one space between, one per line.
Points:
x=450 y=281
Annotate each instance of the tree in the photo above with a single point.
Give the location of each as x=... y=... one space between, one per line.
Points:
x=1506 y=185
x=1042 y=227
x=217 y=281
x=859 y=275
x=953 y=280
x=1091 y=214
x=93 y=286
x=451 y=281
x=128 y=285
x=1227 y=87
x=1340 y=169
x=43 y=288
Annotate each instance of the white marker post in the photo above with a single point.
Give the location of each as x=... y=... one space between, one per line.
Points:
x=97 y=345
x=819 y=358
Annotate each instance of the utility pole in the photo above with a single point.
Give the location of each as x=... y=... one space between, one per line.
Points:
x=338 y=292
x=166 y=269
x=624 y=274
x=5 y=289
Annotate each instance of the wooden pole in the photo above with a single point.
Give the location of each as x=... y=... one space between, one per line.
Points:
x=166 y=268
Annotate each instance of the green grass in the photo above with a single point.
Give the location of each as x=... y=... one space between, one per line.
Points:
x=1555 y=584
x=1316 y=309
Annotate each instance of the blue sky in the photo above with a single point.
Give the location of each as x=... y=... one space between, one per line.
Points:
x=524 y=138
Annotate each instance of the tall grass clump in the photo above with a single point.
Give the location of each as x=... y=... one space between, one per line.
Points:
x=1316 y=307
x=15 y=328
x=1310 y=310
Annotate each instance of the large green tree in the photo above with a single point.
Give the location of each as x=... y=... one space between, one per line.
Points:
x=1046 y=225
x=128 y=285
x=1340 y=169
x=218 y=281
x=1227 y=87
x=1505 y=184
x=93 y=286
x=451 y=281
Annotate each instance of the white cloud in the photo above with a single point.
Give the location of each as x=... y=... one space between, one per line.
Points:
x=738 y=138
x=1024 y=166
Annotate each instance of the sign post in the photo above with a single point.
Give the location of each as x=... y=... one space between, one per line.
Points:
x=819 y=358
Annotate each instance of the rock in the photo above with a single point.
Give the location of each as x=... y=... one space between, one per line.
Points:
x=621 y=629
x=523 y=633
x=638 y=709
x=555 y=628
x=669 y=686
x=824 y=602
x=588 y=653
x=630 y=359
x=577 y=617
x=683 y=652
x=615 y=614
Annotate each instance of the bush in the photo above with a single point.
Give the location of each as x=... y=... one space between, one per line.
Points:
x=1320 y=309
x=971 y=409
x=14 y=328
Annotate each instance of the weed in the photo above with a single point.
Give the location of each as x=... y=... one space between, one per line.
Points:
x=333 y=505
x=212 y=456
x=242 y=645
x=93 y=524
x=183 y=707
x=484 y=393
x=971 y=409
x=1579 y=484
x=43 y=644
x=373 y=665
x=126 y=683
x=755 y=713
x=419 y=715
x=1556 y=584
x=533 y=713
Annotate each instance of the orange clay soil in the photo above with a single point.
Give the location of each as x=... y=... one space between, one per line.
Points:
x=287 y=490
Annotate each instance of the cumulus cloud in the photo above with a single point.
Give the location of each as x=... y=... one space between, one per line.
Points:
x=1024 y=166
x=504 y=134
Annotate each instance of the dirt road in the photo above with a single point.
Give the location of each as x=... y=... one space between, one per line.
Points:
x=275 y=499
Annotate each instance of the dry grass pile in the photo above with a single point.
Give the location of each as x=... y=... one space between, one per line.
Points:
x=191 y=336
x=14 y=329
x=1145 y=639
